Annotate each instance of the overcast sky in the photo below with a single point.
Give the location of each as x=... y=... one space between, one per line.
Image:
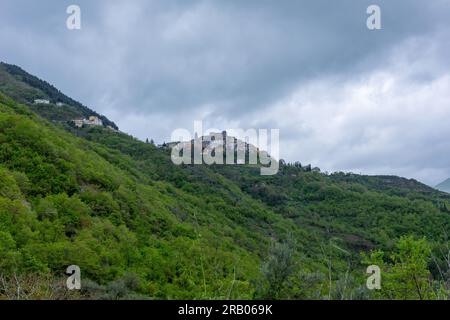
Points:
x=344 y=97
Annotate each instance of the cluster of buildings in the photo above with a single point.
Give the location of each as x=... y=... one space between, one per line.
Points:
x=222 y=142
x=91 y=121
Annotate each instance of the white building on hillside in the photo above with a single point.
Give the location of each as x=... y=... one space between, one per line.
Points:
x=42 y=101
x=92 y=121
x=78 y=122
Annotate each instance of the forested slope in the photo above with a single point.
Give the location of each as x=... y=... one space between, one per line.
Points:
x=141 y=227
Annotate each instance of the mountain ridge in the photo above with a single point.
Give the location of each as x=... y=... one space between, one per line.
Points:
x=444 y=186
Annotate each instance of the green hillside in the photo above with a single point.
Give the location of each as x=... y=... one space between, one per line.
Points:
x=25 y=88
x=141 y=227
x=444 y=186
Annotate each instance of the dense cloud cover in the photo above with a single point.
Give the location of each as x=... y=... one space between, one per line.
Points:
x=343 y=97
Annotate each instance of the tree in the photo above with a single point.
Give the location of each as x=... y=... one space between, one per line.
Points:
x=8 y=253
x=275 y=271
x=407 y=276
x=411 y=269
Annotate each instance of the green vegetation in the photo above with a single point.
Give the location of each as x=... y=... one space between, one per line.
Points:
x=141 y=227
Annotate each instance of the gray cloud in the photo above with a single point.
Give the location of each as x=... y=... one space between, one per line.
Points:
x=301 y=66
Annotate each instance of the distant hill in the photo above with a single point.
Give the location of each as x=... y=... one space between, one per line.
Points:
x=25 y=88
x=389 y=184
x=444 y=186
